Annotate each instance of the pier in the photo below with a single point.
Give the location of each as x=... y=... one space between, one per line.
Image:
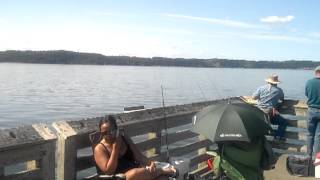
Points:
x=62 y=150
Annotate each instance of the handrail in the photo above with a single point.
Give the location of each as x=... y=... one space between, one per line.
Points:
x=33 y=146
x=74 y=135
x=36 y=144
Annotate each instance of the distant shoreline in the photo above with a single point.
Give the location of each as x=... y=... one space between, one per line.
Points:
x=306 y=69
x=77 y=58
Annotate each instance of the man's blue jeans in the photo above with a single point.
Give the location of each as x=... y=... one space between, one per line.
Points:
x=282 y=124
x=313 y=138
x=276 y=119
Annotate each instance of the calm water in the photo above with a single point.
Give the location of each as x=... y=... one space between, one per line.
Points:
x=32 y=93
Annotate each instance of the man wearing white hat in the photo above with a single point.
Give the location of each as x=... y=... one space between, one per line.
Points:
x=269 y=97
x=312 y=92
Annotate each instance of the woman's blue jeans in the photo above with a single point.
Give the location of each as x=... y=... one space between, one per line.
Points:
x=313 y=137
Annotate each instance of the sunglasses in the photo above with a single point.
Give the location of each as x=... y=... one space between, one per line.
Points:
x=109 y=133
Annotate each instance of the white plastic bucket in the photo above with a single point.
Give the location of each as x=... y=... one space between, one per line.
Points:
x=182 y=164
x=317 y=166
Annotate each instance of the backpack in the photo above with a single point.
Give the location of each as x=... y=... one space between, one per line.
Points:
x=268 y=159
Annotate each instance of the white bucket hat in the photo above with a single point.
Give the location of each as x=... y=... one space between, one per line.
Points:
x=273 y=79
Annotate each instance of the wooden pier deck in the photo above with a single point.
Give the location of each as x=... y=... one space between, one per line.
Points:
x=280 y=171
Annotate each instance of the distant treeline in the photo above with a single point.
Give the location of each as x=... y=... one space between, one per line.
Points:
x=69 y=57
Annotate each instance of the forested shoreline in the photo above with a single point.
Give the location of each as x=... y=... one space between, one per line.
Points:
x=70 y=57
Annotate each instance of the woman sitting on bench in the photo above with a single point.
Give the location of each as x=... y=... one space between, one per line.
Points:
x=115 y=154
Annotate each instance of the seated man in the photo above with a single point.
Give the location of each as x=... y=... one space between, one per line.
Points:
x=116 y=154
x=269 y=98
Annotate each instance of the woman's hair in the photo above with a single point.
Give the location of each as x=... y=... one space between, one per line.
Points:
x=108 y=119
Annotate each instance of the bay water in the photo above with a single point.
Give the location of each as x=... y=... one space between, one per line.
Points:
x=44 y=93
x=34 y=93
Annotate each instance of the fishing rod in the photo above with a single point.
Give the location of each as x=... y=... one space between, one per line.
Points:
x=215 y=87
x=202 y=92
x=165 y=124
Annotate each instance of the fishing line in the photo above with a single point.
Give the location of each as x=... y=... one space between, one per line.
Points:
x=203 y=95
x=165 y=125
x=214 y=86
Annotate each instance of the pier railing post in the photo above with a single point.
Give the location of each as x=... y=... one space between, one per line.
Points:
x=150 y=152
x=47 y=163
x=28 y=145
x=158 y=135
x=67 y=154
x=33 y=164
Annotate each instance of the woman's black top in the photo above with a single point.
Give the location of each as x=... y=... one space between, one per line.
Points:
x=125 y=162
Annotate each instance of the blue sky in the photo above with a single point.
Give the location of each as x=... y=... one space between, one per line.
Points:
x=246 y=29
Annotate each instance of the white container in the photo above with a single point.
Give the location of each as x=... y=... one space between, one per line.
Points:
x=182 y=164
x=317 y=166
x=162 y=164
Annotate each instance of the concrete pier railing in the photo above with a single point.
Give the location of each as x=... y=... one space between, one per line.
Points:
x=146 y=126
x=31 y=149
x=38 y=148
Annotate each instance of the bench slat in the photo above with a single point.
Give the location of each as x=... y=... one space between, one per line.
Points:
x=34 y=175
x=172 y=138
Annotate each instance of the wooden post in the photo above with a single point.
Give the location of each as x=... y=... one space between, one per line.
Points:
x=28 y=144
x=159 y=136
x=151 y=151
x=202 y=151
x=31 y=165
x=1 y=172
x=48 y=161
x=67 y=153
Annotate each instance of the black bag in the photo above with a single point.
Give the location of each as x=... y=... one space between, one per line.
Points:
x=298 y=165
x=268 y=159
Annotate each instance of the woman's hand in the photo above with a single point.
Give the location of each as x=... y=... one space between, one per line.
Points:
x=153 y=167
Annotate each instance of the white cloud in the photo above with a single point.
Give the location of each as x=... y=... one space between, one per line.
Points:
x=169 y=30
x=277 y=19
x=315 y=34
x=260 y=36
x=223 y=22
x=280 y=38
